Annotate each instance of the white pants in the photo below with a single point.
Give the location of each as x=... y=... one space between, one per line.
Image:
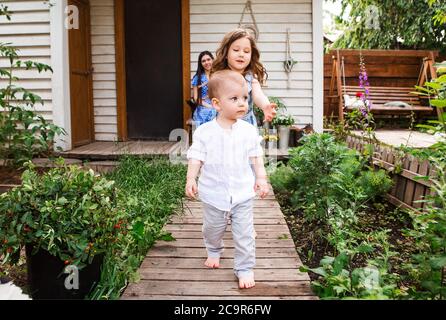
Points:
x=214 y=227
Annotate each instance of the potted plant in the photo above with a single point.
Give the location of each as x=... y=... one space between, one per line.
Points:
x=271 y=141
x=283 y=123
x=67 y=216
x=259 y=113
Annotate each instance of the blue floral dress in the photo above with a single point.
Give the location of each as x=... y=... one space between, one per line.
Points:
x=250 y=116
x=203 y=114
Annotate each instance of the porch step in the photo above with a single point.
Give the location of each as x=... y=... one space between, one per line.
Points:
x=115 y=150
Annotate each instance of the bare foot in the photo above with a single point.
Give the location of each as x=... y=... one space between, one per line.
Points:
x=212 y=262
x=246 y=283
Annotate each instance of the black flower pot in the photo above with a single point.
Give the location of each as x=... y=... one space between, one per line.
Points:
x=46 y=277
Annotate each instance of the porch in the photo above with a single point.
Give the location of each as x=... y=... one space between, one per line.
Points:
x=106 y=150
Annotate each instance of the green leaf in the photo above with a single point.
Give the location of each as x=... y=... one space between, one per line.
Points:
x=365 y=248
x=138 y=230
x=62 y=201
x=167 y=237
x=438 y=262
x=438 y=103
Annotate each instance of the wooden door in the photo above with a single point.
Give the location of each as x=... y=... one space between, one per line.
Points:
x=82 y=129
x=153 y=53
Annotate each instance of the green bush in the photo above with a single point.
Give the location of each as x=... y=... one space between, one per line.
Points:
x=68 y=211
x=326 y=175
x=333 y=186
x=428 y=265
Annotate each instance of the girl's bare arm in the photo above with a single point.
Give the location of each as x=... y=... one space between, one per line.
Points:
x=261 y=100
x=195 y=93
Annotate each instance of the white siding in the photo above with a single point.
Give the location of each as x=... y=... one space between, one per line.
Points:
x=210 y=20
x=29 y=31
x=104 y=75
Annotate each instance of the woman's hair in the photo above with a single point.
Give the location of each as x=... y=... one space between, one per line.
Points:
x=200 y=71
x=221 y=61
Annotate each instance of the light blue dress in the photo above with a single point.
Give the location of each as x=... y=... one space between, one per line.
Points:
x=250 y=116
x=203 y=114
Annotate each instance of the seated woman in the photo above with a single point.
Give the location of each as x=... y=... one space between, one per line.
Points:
x=204 y=111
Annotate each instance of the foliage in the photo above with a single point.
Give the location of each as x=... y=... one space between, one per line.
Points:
x=280 y=107
x=340 y=282
x=23 y=133
x=151 y=191
x=428 y=266
x=332 y=186
x=327 y=176
x=400 y=24
x=283 y=120
x=436 y=91
x=440 y=13
x=69 y=212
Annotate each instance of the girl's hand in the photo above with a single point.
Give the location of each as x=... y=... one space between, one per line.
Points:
x=261 y=185
x=270 y=112
x=191 y=188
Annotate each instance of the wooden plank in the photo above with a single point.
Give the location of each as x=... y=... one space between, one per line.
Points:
x=402 y=181
x=197 y=227
x=386 y=53
x=174 y=252
x=400 y=204
x=121 y=90
x=225 y=263
x=410 y=186
x=176 y=297
x=257 y=220
x=260 y=243
x=196 y=213
x=260 y=234
x=419 y=188
x=262 y=204
x=224 y=288
x=209 y=275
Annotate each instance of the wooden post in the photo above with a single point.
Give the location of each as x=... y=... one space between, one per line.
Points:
x=332 y=82
x=434 y=76
x=339 y=86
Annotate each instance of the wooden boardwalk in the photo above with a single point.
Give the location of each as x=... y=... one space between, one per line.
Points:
x=175 y=270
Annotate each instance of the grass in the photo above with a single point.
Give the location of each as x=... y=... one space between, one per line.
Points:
x=151 y=191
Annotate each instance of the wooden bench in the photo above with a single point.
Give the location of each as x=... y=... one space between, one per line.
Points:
x=392 y=74
x=379 y=96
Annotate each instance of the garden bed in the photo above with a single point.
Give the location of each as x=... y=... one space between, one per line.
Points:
x=355 y=244
x=312 y=246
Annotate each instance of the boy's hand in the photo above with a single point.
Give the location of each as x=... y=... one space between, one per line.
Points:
x=270 y=112
x=191 y=188
x=261 y=186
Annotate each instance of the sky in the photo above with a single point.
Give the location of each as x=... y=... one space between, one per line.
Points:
x=330 y=8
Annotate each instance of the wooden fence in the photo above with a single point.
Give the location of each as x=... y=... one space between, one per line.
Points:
x=409 y=187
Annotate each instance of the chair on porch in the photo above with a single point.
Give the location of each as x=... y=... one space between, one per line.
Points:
x=392 y=76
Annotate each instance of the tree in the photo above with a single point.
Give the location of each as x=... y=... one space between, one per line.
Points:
x=392 y=24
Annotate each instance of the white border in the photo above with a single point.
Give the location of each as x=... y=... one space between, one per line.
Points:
x=318 y=67
x=61 y=76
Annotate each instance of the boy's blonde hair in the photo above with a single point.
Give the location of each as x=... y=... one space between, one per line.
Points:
x=255 y=66
x=219 y=78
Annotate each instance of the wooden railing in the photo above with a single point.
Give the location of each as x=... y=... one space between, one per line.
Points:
x=407 y=171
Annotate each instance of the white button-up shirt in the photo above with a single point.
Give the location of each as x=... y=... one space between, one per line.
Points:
x=226 y=177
